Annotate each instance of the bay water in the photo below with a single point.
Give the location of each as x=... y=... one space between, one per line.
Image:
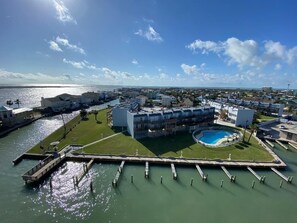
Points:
x=144 y=200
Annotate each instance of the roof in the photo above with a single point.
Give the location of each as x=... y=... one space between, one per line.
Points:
x=4 y=108
x=21 y=110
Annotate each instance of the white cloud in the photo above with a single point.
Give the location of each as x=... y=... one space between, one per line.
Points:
x=275 y=49
x=65 y=42
x=21 y=78
x=81 y=64
x=63 y=13
x=134 y=62
x=189 y=69
x=150 y=34
x=247 y=52
x=205 y=46
x=277 y=66
x=163 y=76
x=243 y=53
x=54 y=46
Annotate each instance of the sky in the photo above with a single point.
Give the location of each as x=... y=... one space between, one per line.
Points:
x=189 y=43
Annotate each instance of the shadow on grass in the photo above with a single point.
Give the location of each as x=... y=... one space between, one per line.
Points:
x=171 y=143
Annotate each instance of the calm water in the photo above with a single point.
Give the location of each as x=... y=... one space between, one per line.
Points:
x=144 y=200
x=31 y=97
x=214 y=136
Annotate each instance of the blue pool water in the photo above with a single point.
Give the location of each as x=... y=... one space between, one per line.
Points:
x=212 y=137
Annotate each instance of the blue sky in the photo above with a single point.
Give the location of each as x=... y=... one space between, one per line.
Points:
x=222 y=43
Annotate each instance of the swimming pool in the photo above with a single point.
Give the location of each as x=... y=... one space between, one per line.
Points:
x=214 y=136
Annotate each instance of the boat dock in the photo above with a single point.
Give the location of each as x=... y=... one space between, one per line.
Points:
x=146 y=171
x=118 y=174
x=203 y=176
x=260 y=178
x=42 y=168
x=86 y=168
x=174 y=174
x=231 y=177
x=281 y=144
x=288 y=179
x=269 y=143
x=294 y=146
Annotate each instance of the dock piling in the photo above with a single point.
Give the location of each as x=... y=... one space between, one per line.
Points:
x=222 y=182
x=253 y=184
x=161 y=180
x=174 y=174
x=146 y=171
x=91 y=186
x=192 y=181
x=132 y=179
x=281 y=184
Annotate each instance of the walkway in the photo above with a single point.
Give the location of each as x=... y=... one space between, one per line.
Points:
x=179 y=161
x=100 y=140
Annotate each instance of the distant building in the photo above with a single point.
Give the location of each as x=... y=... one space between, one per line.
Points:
x=10 y=117
x=265 y=107
x=6 y=115
x=119 y=113
x=153 y=124
x=238 y=115
x=166 y=101
x=267 y=89
x=141 y=99
x=65 y=102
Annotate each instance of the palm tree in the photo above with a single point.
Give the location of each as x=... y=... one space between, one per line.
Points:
x=95 y=112
x=9 y=102
x=83 y=114
x=18 y=102
x=254 y=128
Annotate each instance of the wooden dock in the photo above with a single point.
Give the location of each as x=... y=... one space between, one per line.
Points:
x=231 y=177
x=146 y=171
x=281 y=144
x=269 y=143
x=118 y=174
x=42 y=168
x=174 y=174
x=294 y=146
x=260 y=178
x=288 y=179
x=86 y=168
x=203 y=176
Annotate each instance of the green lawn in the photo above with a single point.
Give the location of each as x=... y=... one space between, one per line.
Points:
x=171 y=146
x=264 y=118
x=85 y=131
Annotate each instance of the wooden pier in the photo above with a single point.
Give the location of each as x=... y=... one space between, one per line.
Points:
x=269 y=143
x=146 y=171
x=86 y=168
x=42 y=168
x=231 y=177
x=281 y=144
x=203 y=176
x=294 y=146
x=260 y=178
x=174 y=174
x=118 y=174
x=288 y=179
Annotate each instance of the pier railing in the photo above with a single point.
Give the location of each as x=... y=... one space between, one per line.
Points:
x=39 y=165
